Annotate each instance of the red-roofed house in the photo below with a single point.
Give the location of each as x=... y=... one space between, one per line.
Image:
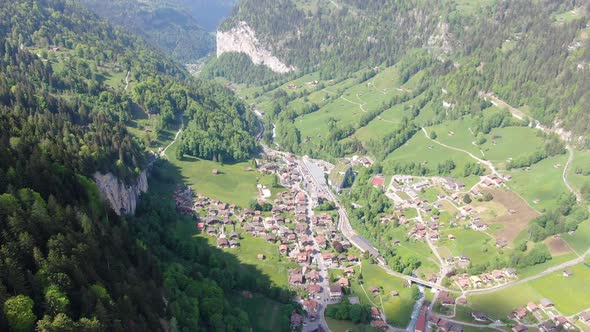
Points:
x=378 y=181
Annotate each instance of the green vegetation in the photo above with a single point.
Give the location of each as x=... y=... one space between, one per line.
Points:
x=564 y=292
x=235 y=183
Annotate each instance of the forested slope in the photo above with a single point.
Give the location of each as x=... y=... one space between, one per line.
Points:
x=530 y=53
x=67 y=262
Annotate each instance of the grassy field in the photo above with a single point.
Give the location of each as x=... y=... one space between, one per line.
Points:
x=397 y=309
x=346 y=325
x=276 y=270
x=478 y=246
x=420 y=149
x=542 y=182
x=564 y=292
x=581 y=160
x=579 y=240
x=504 y=147
x=234 y=184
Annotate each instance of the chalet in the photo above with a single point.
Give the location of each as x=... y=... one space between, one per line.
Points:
x=374 y=290
x=260 y=257
x=479 y=226
x=303 y=257
x=233 y=243
x=335 y=291
x=314 y=289
x=296 y=321
x=547 y=326
x=375 y=313
x=378 y=181
x=451 y=237
x=445 y=298
x=546 y=303
x=352 y=258
x=532 y=307
x=313 y=276
x=476 y=280
x=233 y=235
x=201 y=225
x=562 y=321
x=348 y=271
x=379 y=324
x=311 y=307
x=475 y=192
x=211 y=231
x=585 y=317
x=567 y=273
x=520 y=328
x=462 y=301
x=463 y=282
x=222 y=243
x=421 y=184
x=296 y=279
x=271 y=238
x=343 y=282
x=479 y=316
x=498 y=274
x=510 y=272
x=520 y=313
x=452 y=184
x=455 y=328
x=328 y=257
x=412 y=194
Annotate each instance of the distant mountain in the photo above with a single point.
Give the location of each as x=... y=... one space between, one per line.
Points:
x=527 y=52
x=181 y=28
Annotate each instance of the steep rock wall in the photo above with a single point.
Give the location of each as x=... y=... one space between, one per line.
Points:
x=242 y=38
x=122 y=198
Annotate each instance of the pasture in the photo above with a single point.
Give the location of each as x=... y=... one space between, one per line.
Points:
x=581 y=162
x=421 y=150
x=478 y=246
x=397 y=309
x=542 y=184
x=579 y=240
x=234 y=184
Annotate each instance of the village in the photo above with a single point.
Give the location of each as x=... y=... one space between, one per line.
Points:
x=312 y=239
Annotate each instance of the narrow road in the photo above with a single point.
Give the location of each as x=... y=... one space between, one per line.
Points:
x=485 y=162
x=163 y=153
x=570 y=159
x=127 y=80
x=536 y=124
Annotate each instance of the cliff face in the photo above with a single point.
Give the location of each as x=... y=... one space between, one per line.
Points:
x=121 y=197
x=242 y=38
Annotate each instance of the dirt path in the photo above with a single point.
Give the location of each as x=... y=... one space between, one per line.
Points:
x=127 y=80
x=163 y=153
x=570 y=159
x=481 y=161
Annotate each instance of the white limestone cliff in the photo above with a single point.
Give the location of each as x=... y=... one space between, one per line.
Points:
x=122 y=198
x=242 y=39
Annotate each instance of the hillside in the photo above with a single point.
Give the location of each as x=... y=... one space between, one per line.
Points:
x=529 y=54
x=180 y=28
x=75 y=96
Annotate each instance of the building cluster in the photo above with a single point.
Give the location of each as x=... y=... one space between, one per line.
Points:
x=495 y=277
x=526 y=315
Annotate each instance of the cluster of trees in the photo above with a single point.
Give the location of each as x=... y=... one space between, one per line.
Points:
x=383 y=147
x=357 y=313
x=566 y=217
x=553 y=147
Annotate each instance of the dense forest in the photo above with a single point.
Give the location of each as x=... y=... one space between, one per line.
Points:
x=172 y=29
x=525 y=52
x=67 y=261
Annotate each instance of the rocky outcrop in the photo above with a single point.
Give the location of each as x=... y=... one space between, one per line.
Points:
x=242 y=39
x=122 y=198
x=442 y=41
